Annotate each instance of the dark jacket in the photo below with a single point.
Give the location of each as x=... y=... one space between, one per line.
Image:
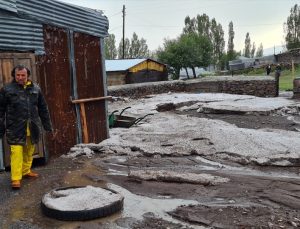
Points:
x=19 y=106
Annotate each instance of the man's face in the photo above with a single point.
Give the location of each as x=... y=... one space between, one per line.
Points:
x=21 y=76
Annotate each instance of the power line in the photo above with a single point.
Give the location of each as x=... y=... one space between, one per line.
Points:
x=182 y=26
x=260 y=24
x=115 y=14
x=114 y=28
x=158 y=26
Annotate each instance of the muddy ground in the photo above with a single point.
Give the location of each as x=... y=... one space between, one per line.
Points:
x=255 y=196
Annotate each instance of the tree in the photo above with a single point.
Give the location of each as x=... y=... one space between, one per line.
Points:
x=292 y=28
x=195 y=51
x=230 y=45
x=218 y=42
x=252 y=53
x=211 y=30
x=169 y=55
x=247 y=46
x=188 y=51
x=203 y=25
x=200 y=25
x=260 y=51
x=126 y=50
x=136 y=48
x=189 y=25
x=231 y=53
x=110 y=47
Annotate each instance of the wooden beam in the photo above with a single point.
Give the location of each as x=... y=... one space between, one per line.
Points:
x=83 y=114
x=90 y=99
x=84 y=124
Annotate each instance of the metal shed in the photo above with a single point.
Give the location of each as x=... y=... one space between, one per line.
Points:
x=62 y=44
x=127 y=71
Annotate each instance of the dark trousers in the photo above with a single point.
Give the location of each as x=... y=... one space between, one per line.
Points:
x=277 y=75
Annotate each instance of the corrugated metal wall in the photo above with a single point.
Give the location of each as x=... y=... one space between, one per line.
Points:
x=21 y=22
x=89 y=76
x=64 y=15
x=55 y=80
x=9 y=5
x=20 y=34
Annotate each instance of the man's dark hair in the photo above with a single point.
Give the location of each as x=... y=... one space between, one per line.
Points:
x=19 y=67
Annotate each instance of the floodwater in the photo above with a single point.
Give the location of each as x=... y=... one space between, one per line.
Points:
x=166 y=197
x=216 y=166
x=135 y=206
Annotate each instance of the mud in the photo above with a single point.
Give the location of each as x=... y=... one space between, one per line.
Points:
x=249 y=121
x=253 y=196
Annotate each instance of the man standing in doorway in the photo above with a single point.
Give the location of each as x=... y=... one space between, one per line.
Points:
x=22 y=111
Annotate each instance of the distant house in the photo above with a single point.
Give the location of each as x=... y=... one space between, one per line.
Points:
x=241 y=63
x=128 y=71
x=270 y=59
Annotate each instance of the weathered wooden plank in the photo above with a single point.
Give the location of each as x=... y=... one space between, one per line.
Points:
x=85 y=132
x=91 y=99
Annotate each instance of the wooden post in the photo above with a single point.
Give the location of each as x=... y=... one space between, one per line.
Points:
x=84 y=124
x=293 y=69
x=83 y=114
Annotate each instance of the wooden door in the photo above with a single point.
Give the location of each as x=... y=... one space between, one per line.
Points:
x=54 y=74
x=89 y=77
x=7 y=63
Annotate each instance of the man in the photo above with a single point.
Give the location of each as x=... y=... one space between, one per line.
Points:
x=278 y=70
x=22 y=110
x=277 y=75
x=268 y=68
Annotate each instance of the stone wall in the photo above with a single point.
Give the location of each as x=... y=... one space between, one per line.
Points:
x=262 y=86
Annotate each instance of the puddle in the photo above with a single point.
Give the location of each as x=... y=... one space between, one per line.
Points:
x=114 y=172
x=244 y=171
x=136 y=206
x=79 y=177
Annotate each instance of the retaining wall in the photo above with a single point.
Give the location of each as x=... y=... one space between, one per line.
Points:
x=288 y=57
x=261 y=86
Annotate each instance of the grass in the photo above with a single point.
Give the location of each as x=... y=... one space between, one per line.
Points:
x=285 y=80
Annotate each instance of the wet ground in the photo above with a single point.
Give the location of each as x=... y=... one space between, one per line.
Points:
x=254 y=196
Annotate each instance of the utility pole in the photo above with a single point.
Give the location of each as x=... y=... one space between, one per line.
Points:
x=123 y=11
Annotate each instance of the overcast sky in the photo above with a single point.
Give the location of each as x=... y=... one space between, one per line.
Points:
x=155 y=20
